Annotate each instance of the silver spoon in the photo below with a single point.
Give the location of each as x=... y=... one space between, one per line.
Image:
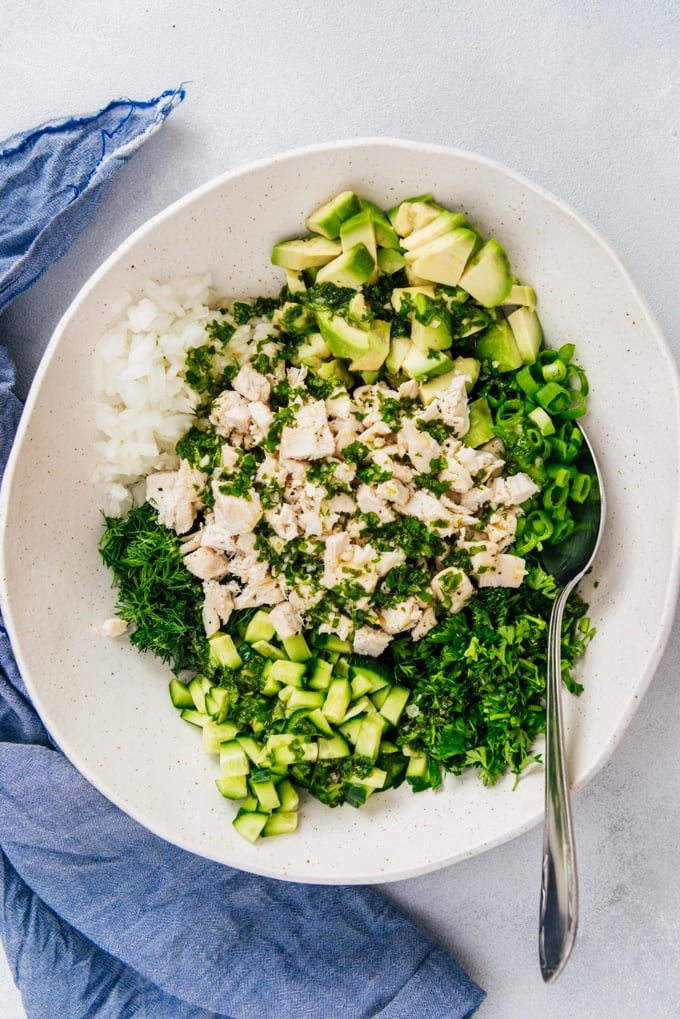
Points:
x=567 y=562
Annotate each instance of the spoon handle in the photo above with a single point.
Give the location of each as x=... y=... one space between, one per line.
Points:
x=559 y=880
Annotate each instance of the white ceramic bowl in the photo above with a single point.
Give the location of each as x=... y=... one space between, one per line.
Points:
x=108 y=707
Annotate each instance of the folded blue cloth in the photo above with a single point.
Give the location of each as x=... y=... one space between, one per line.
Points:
x=100 y=918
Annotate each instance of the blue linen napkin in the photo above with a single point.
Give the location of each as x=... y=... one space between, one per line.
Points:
x=99 y=917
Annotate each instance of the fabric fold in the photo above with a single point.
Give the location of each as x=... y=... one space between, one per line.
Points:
x=101 y=919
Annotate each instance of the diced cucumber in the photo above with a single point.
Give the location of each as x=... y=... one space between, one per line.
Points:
x=270 y=687
x=250 y=824
x=286 y=748
x=288 y=795
x=259 y=628
x=305 y=699
x=331 y=642
x=223 y=651
x=233 y=787
x=199 y=718
x=319 y=672
x=262 y=786
x=217 y=702
x=394 y=704
x=350 y=728
x=198 y=688
x=417 y=768
x=371 y=669
x=281 y=822
x=332 y=747
x=370 y=734
x=375 y=779
x=233 y=759
x=180 y=694
x=320 y=722
x=297 y=648
x=359 y=707
x=216 y=733
x=254 y=750
x=268 y=650
x=287 y=672
x=337 y=700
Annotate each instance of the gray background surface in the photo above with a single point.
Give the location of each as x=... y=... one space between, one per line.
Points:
x=584 y=98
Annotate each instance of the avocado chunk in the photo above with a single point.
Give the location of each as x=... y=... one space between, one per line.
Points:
x=487 y=278
x=526 y=328
x=385 y=234
x=481 y=428
x=423 y=366
x=342 y=338
x=295 y=282
x=435 y=332
x=390 y=261
x=304 y=252
x=443 y=223
x=463 y=367
x=444 y=259
x=401 y=295
x=329 y=217
x=351 y=268
x=399 y=348
x=378 y=348
x=520 y=294
x=499 y=346
x=413 y=213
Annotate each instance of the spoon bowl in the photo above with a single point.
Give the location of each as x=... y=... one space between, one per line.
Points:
x=567 y=562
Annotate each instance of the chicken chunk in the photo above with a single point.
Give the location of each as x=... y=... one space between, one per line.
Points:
x=285 y=620
x=218 y=604
x=207 y=564
x=236 y=514
x=176 y=496
x=309 y=438
x=369 y=641
x=251 y=385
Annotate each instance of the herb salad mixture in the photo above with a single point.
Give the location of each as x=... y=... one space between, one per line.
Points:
x=338 y=552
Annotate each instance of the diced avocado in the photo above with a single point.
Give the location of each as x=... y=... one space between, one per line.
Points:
x=487 y=277
x=378 y=348
x=481 y=428
x=360 y=229
x=413 y=278
x=313 y=351
x=305 y=252
x=444 y=259
x=329 y=217
x=399 y=348
x=521 y=295
x=468 y=367
x=423 y=366
x=335 y=371
x=390 y=261
x=499 y=346
x=357 y=309
x=352 y=268
x=385 y=234
x=408 y=295
x=434 y=336
x=413 y=213
x=295 y=282
x=526 y=328
x=342 y=338
x=443 y=223
x=293 y=317
x=259 y=628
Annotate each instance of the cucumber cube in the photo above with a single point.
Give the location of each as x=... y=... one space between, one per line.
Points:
x=217 y=733
x=262 y=786
x=288 y=795
x=250 y=824
x=180 y=694
x=297 y=648
x=370 y=734
x=233 y=759
x=223 y=651
x=281 y=822
x=337 y=700
x=394 y=704
x=259 y=628
x=233 y=787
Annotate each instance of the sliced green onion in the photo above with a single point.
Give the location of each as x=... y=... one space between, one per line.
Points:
x=554 y=371
x=553 y=398
x=526 y=381
x=580 y=487
x=542 y=420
